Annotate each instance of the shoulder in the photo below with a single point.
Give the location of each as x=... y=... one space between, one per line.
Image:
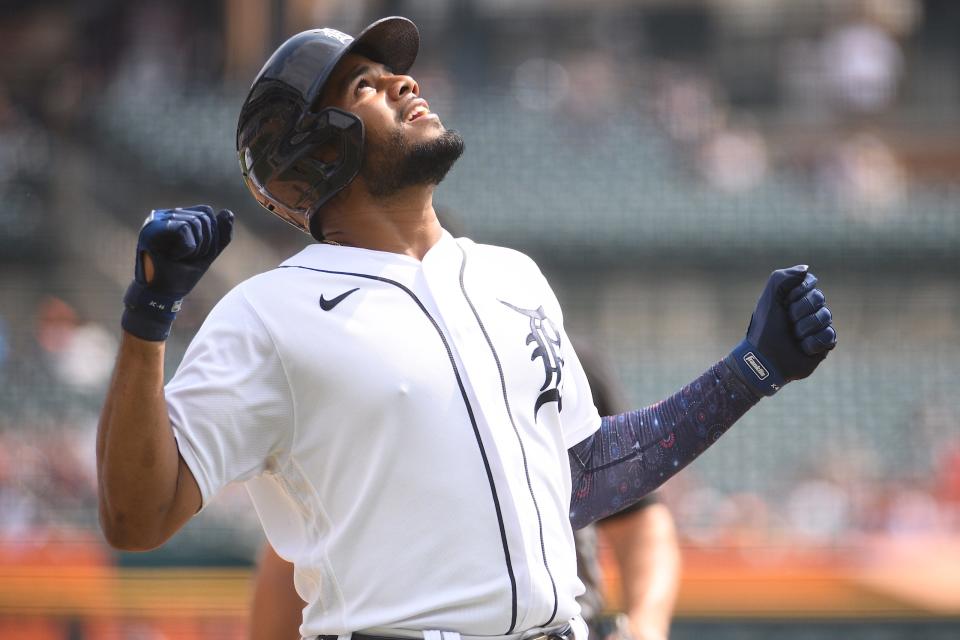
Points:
x=303 y=269
x=234 y=312
x=500 y=258
x=267 y=284
x=513 y=273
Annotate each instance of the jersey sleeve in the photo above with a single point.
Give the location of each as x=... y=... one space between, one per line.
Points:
x=579 y=416
x=229 y=401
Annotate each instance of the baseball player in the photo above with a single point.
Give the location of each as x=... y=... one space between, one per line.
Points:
x=404 y=408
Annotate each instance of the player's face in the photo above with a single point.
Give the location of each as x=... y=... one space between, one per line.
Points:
x=385 y=101
x=405 y=142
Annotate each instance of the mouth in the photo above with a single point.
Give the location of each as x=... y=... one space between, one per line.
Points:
x=419 y=109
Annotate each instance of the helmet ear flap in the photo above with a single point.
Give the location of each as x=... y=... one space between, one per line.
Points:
x=310 y=119
x=346 y=131
x=293 y=170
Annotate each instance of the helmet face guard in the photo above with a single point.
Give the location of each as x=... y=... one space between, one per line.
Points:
x=296 y=154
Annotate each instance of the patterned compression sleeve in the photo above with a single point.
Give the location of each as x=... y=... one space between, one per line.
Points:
x=634 y=453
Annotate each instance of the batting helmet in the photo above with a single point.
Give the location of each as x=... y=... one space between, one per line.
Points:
x=282 y=129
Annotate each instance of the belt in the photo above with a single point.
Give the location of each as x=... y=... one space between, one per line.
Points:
x=563 y=632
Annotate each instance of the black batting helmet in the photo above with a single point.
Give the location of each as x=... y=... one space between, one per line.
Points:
x=282 y=129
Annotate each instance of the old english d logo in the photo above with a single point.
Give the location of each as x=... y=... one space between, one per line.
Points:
x=547 y=339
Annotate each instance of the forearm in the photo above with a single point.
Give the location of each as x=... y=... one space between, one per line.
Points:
x=140 y=480
x=648 y=555
x=634 y=453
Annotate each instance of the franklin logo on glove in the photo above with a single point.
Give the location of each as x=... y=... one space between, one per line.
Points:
x=754 y=363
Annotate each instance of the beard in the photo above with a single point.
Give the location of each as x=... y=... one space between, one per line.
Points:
x=398 y=164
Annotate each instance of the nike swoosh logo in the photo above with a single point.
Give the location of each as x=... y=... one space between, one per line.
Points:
x=327 y=305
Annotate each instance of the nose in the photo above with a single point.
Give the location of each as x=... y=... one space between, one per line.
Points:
x=401 y=85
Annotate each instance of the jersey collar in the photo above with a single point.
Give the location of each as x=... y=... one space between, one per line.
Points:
x=344 y=258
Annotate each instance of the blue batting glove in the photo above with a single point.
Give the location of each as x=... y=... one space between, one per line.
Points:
x=790 y=332
x=181 y=244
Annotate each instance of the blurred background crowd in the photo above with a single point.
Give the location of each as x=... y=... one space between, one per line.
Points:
x=657 y=157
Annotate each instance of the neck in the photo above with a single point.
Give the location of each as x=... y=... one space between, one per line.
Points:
x=404 y=223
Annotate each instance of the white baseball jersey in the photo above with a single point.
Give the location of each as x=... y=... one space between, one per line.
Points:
x=402 y=428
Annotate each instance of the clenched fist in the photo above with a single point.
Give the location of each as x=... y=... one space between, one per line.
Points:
x=174 y=250
x=790 y=333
